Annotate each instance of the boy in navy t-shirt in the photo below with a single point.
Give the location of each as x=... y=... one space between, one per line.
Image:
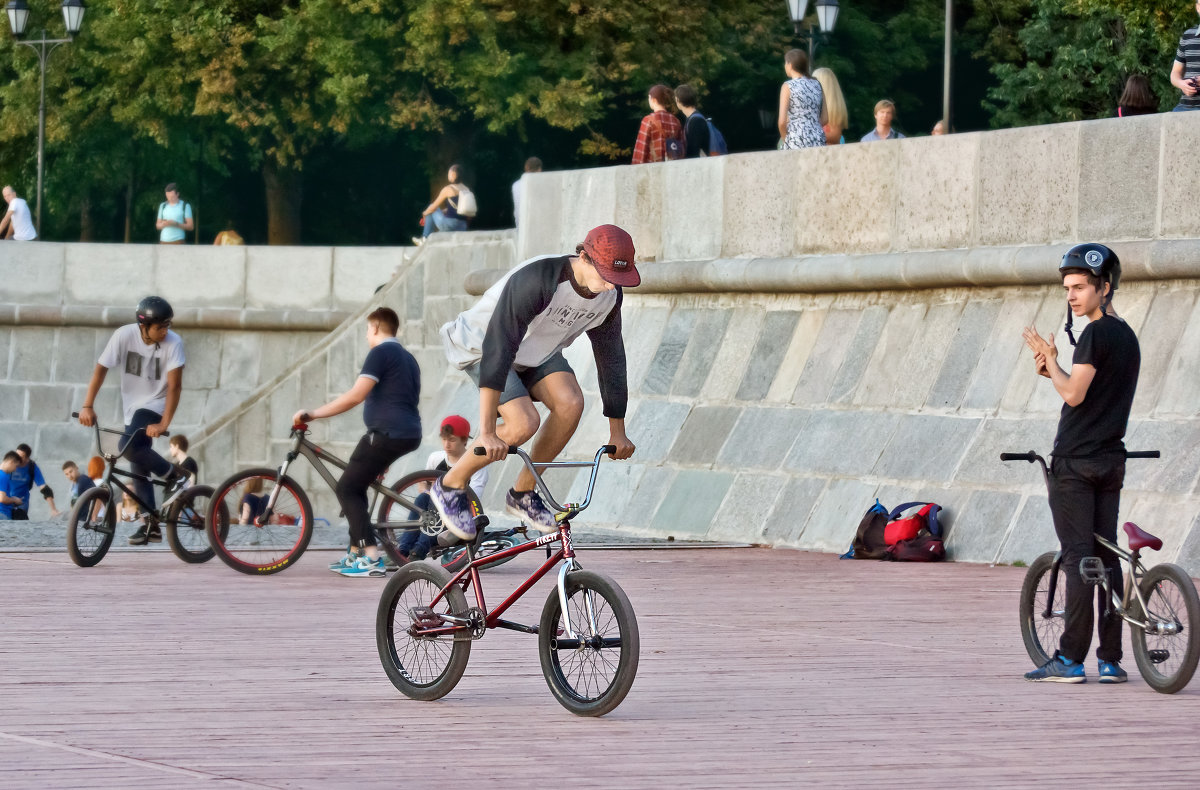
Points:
x=390 y=384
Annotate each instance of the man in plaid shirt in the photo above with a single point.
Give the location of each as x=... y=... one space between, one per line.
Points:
x=657 y=128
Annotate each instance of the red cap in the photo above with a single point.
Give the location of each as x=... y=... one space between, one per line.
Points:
x=611 y=251
x=458 y=426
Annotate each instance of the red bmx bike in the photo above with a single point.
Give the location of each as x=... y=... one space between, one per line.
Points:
x=587 y=637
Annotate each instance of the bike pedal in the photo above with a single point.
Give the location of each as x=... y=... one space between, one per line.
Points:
x=1092 y=570
x=481 y=522
x=1158 y=656
x=424 y=617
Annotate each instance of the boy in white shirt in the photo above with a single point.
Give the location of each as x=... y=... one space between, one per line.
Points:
x=455 y=434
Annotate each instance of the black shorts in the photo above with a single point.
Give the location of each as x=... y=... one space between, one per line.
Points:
x=519 y=382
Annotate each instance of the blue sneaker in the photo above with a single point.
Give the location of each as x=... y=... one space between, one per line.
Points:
x=1111 y=672
x=345 y=561
x=1058 y=670
x=530 y=508
x=363 y=567
x=454 y=506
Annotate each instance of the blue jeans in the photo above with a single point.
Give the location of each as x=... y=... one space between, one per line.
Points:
x=414 y=543
x=140 y=452
x=439 y=221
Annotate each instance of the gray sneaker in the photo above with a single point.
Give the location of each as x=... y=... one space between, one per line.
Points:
x=454 y=506
x=530 y=508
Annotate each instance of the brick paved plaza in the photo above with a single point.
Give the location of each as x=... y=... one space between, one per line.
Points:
x=759 y=668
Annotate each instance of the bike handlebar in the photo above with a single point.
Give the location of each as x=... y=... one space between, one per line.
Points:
x=607 y=449
x=1031 y=456
x=75 y=414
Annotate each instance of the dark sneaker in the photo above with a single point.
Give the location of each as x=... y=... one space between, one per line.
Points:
x=1058 y=670
x=155 y=535
x=454 y=506
x=177 y=482
x=530 y=508
x=140 y=537
x=1111 y=672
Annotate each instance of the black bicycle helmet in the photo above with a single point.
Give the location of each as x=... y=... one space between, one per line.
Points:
x=154 y=310
x=1102 y=262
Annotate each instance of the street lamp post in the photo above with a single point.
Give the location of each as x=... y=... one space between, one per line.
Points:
x=18 y=18
x=827 y=14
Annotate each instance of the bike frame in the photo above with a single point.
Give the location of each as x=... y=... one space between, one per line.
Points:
x=1131 y=559
x=112 y=473
x=469 y=576
x=301 y=446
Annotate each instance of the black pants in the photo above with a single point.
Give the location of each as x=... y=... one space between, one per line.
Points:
x=140 y=453
x=20 y=514
x=1084 y=496
x=371 y=458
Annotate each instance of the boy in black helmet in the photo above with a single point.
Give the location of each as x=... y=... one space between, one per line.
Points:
x=150 y=358
x=1088 y=465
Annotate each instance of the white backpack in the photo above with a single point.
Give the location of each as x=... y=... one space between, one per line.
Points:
x=466 y=202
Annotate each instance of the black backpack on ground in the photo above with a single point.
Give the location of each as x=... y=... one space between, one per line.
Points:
x=868 y=541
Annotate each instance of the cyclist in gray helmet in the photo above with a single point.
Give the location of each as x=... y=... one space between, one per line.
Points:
x=150 y=358
x=1088 y=465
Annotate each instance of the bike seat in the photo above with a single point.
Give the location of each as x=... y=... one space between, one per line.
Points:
x=1141 y=539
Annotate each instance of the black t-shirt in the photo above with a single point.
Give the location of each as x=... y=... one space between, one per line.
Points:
x=391 y=407
x=189 y=464
x=695 y=130
x=1097 y=425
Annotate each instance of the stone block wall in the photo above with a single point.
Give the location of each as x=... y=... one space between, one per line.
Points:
x=245 y=313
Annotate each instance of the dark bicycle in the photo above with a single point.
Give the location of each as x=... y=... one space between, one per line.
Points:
x=588 y=639
x=260 y=521
x=92 y=523
x=1160 y=603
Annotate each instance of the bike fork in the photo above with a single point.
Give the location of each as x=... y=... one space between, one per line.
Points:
x=568 y=566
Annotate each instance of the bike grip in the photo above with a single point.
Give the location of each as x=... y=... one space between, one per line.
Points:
x=74 y=414
x=609 y=449
x=1143 y=454
x=1017 y=457
x=512 y=448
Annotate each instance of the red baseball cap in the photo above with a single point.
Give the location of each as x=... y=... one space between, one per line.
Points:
x=611 y=251
x=458 y=426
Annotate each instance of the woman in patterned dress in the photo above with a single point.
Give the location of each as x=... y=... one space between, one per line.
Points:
x=801 y=104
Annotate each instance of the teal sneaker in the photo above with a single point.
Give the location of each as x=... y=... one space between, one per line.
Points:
x=345 y=561
x=364 y=567
x=1111 y=672
x=1058 y=670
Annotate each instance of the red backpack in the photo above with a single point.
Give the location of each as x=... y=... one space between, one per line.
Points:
x=915 y=538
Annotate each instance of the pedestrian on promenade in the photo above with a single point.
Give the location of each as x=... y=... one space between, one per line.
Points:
x=1088 y=464
x=26 y=477
x=78 y=480
x=455 y=434
x=1137 y=98
x=885 y=113
x=1185 y=71
x=150 y=359
x=390 y=385
x=695 y=125
x=660 y=137
x=17 y=222
x=837 y=117
x=802 y=111
x=174 y=217
x=511 y=342
x=532 y=165
x=8 y=500
x=450 y=210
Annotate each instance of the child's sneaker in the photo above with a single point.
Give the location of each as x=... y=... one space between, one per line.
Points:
x=363 y=567
x=140 y=537
x=345 y=561
x=1058 y=670
x=1111 y=672
x=454 y=506
x=530 y=508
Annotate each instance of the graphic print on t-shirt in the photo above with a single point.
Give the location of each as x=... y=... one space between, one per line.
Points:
x=135 y=363
x=567 y=317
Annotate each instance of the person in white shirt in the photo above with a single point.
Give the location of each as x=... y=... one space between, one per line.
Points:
x=150 y=358
x=17 y=217
x=455 y=434
x=532 y=165
x=174 y=217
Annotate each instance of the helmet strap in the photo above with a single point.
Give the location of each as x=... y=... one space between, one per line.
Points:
x=1070 y=318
